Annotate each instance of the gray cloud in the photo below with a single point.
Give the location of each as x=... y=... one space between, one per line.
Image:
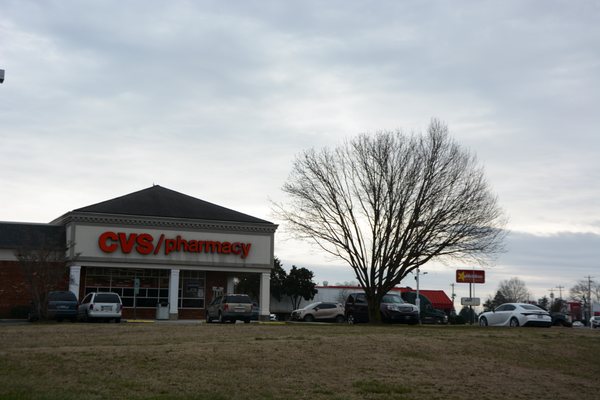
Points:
x=214 y=99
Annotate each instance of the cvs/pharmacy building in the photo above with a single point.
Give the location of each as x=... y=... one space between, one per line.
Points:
x=155 y=246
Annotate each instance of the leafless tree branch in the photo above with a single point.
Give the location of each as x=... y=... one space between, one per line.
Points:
x=389 y=202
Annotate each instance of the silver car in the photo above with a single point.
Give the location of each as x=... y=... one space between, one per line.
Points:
x=595 y=321
x=320 y=311
x=230 y=308
x=103 y=306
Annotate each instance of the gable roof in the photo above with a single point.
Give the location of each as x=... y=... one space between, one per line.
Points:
x=157 y=201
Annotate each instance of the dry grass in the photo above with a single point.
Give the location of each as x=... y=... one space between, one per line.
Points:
x=182 y=361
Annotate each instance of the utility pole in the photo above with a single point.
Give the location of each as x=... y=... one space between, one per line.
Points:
x=560 y=288
x=590 y=302
x=453 y=295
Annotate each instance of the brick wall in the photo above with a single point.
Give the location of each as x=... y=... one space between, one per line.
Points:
x=15 y=291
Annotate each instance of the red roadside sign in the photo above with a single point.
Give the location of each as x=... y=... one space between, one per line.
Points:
x=470 y=276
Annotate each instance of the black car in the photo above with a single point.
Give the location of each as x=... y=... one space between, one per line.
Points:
x=60 y=305
x=429 y=315
x=393 y=309
x=561 y=319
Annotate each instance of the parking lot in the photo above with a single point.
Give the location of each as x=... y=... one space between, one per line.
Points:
x=295 y=361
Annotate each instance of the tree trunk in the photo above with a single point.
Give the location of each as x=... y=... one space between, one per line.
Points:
x=374 y=304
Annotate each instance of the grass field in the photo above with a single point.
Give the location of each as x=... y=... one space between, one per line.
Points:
x=302 y=361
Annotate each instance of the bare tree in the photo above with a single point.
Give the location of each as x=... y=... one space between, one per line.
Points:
x=44 y=269
x=583 y=289
x=390 y=202
x=514 y=290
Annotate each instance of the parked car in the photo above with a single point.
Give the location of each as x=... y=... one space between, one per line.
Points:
x=516 y=314
x=392 y=308
x=101 y=306
x=60 y=305
x=429 y=315
x=319 y=311
x=561 y=319
x=595 y=321
x=230 y=308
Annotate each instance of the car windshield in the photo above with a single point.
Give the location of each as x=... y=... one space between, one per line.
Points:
x=61 y=296
x=389 y=298
x=107 y=298
x=238 y=299
x=531 y=307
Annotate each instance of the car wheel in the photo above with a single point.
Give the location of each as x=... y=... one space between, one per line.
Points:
x=483 y=321
x=208 y=318
x=309 y=318
x=339 y=319
x=117 y=320
x=350 y=319
x=246 y=321
x=514 y=322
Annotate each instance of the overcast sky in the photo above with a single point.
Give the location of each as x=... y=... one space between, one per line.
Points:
x=215 y=99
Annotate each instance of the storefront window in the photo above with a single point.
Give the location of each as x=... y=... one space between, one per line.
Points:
x=154 y=284
x=191 y=289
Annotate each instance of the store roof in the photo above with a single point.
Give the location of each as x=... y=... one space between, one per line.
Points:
x=438 y=298
x=157 y=201
x=16 y=234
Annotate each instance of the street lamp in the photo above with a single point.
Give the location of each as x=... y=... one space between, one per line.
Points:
x=418 y=299
x=418 y=224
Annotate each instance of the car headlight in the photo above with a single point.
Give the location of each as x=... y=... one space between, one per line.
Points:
x=393 y=307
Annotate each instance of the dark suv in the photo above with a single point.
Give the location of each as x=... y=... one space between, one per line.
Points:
x=60 y=305
x=393 y=309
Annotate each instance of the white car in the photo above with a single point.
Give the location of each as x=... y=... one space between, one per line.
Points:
x=516 y=314
x=595 y=321
x=103 y=305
